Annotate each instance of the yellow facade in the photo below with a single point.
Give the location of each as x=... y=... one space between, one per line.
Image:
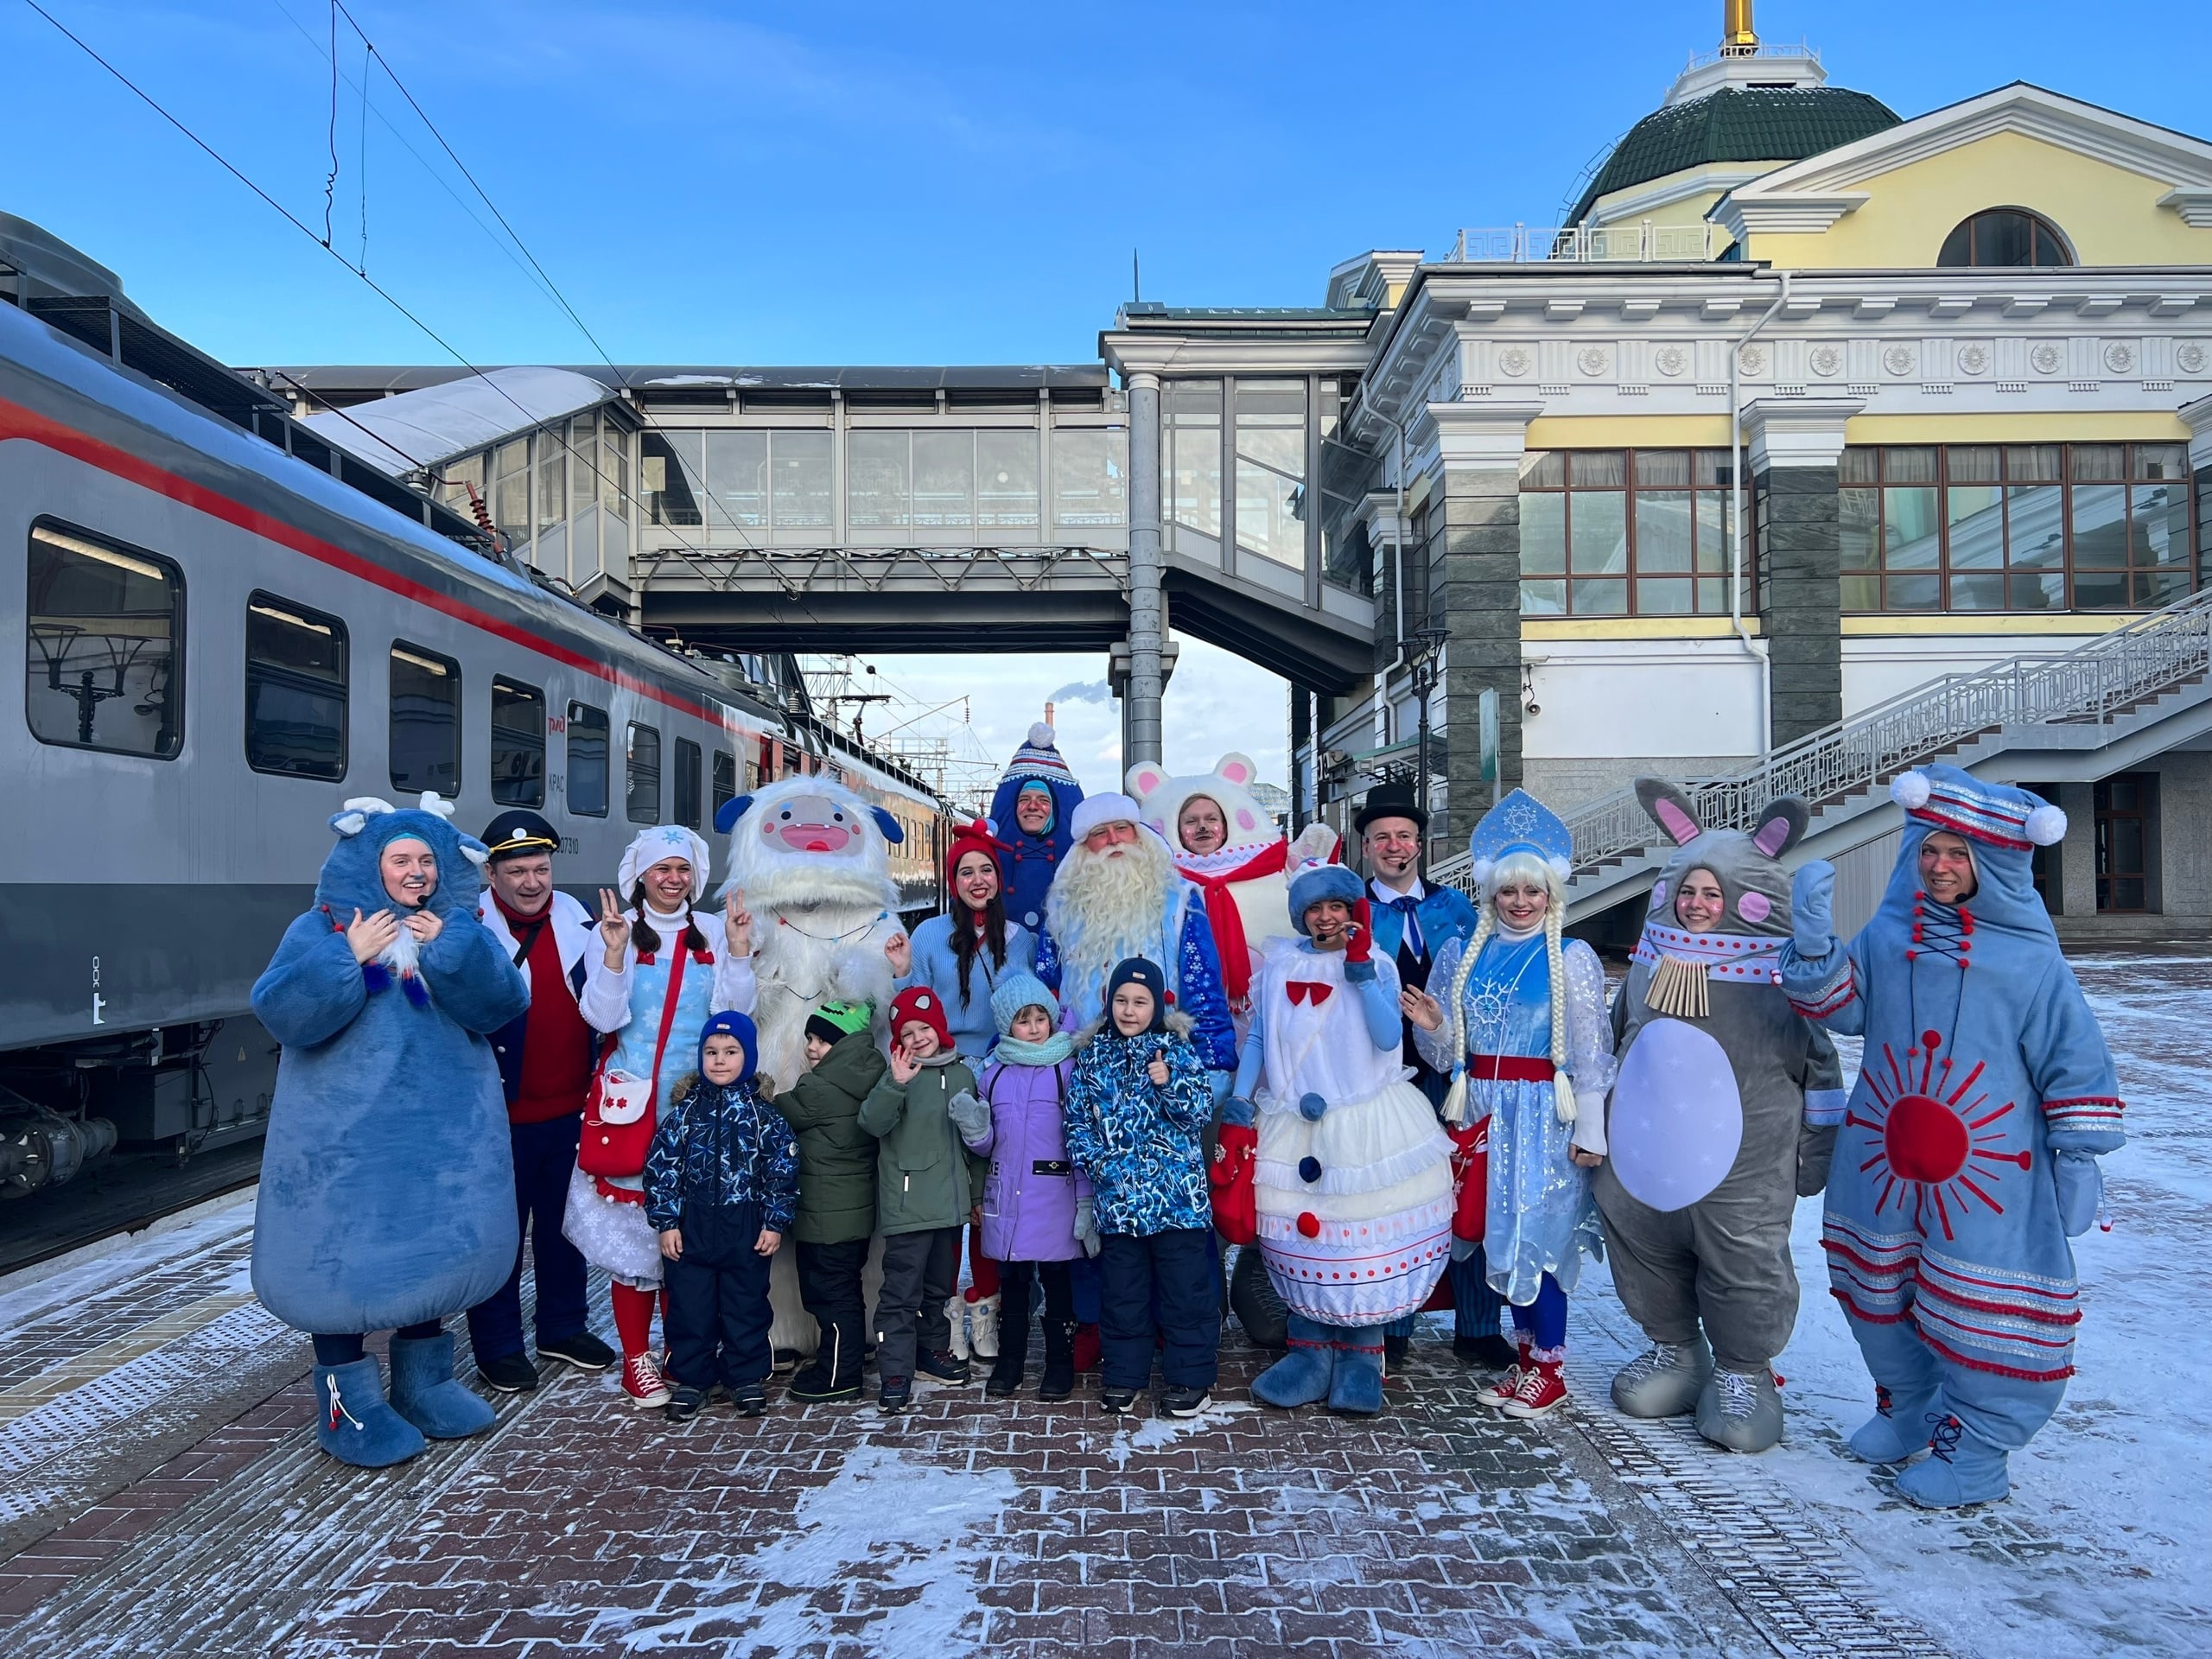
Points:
x=2108 y=215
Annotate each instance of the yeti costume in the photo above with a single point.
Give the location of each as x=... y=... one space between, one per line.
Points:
x=1723 y=1113
x=1246 y=880
x=1968 y=1155
x=813 y=861
x=1031 y=861
x=387 y=1186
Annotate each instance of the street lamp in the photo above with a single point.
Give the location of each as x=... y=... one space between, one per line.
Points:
x=1420 y=665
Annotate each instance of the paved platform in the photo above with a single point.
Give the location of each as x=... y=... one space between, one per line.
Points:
x=160 y=1493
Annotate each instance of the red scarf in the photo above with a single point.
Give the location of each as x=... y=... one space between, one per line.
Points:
x=1227 y=922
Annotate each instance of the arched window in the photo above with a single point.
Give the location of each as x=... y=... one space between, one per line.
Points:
x=2005 y=236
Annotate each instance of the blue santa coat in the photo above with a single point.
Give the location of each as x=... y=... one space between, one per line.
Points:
x=387 y=1187
x=1031 y=861
x=1974 y=1255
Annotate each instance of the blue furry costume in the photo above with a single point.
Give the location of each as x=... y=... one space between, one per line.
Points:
x=387 y=1187
x=1967 y=1157
x=1031 y=861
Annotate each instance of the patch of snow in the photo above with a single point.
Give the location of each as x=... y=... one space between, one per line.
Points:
x=1157 y=1433
x=72 y=1280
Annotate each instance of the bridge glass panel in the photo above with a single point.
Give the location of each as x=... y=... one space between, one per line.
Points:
x=803 y=468
x=586 y=782
x=294 y=690
x=944 y=479
x=425 y=733
x=1271 y=469
x=736 y=480
x=1190 y=430
x=1006 y=481
x=517 y=744
x=672 y=471
x=878 y=490
x=552 y=479
x=1089 y=486
x=511 y=491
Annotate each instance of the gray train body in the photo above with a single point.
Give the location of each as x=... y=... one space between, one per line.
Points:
x=143 y=894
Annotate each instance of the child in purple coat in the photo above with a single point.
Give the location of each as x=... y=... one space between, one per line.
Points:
x=1036 y=1209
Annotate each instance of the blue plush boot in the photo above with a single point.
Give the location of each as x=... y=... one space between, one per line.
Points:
x=1303 y=1375
x=352 y=1422
x=1897 y=1431
x=1962 y=1468
x=1356 y=1389
x=424 y=1393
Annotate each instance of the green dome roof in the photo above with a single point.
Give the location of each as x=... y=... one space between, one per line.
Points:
x=1736 y=124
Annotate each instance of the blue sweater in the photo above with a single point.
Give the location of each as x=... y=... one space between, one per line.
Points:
x=936 y=966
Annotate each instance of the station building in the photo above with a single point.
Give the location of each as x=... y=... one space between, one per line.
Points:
x=1810 y=417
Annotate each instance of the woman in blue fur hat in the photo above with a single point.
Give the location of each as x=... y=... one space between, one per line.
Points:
x=387 y=1188
x=1968 y=1152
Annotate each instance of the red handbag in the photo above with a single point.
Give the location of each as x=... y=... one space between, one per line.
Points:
x=1229 y=1177
x=1471 y=1178
x=619 y=1111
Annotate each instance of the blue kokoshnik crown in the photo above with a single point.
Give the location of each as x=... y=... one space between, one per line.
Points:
x=1521 y=824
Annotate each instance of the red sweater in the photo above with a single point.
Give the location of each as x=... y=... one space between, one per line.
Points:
x=558 y=1048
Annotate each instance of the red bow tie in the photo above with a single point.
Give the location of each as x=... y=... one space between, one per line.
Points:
x=1317 y=990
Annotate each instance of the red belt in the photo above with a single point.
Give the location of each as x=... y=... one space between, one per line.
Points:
x=1509 y=1068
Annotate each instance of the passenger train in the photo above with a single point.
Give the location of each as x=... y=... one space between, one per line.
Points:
x=227 y=629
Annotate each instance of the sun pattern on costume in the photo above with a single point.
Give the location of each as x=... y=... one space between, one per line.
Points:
x=1931 y=1143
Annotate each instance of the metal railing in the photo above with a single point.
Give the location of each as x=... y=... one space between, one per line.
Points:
x=1763 y=49
x=1607 y=243
x=2093 y=684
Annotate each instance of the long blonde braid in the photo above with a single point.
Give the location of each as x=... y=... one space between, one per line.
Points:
x=1562 y=1091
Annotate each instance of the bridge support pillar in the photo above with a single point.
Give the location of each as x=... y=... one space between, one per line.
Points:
x=1140 y=716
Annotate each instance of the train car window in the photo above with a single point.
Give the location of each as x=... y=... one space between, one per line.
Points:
x=788 y=763
x=517 y=744
x=643 y=800
x=105 y=624
x=687 y=783
x=294 y=690
x=725 y=779
x=587 y=760
x=425 y=721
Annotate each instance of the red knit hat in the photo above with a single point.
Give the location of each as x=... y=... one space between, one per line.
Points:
x=980 y=836
x=919 y=1002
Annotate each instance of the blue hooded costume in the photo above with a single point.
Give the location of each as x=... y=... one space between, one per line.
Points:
x=387 y=1187
x=1031 y=861
x=1967 y=1156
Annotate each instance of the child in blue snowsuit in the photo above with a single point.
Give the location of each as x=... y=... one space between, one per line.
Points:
x=1967 y=1154
x=722 y=1186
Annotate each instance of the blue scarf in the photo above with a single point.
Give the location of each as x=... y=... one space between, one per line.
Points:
x=1012 y=1050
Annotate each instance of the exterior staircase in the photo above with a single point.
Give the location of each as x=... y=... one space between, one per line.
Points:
x=2102 y=708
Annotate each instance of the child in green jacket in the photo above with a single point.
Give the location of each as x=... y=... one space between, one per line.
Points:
x=836 y=1191
x=924 y=1190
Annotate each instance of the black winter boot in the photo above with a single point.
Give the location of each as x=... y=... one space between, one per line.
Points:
x=1059 y=1381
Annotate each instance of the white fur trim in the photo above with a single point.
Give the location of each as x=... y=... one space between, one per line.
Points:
x=1097 y=810
x=434 y=804
x=350 y=823
x=1479 y=871
x=1042 y=736
x=475 y=854
x=1560 y=867
x=1910 y=789
x=2046 y=826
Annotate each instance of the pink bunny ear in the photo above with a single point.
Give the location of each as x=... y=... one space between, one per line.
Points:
x=1771 y=837
x=1145 y=779
x=1238 y=769
x=1681 y=828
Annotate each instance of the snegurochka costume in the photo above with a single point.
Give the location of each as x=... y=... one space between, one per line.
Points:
x=387 y=1190
x=1353 y=1179
x=1968 y=1155
x=1525 y=1036
x=1724 y=1113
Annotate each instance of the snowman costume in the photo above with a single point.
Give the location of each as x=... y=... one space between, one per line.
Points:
x=1724 y=1113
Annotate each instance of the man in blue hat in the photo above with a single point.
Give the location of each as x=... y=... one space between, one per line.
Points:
x=545 y=1057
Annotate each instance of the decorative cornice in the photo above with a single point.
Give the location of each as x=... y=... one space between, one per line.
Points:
x=1481 y=435
x=1785 y=215
x=1797 y=431
x=2195 y=206
x=2198 y=417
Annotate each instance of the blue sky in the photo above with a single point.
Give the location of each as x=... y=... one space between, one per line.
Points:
x=850 y=183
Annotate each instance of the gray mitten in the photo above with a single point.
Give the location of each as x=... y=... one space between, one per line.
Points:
x=1812 y=909
x=1086 y=1225
x=2081 y=1189
x=970 y=1116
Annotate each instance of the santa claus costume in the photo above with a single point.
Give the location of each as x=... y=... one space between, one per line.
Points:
x=1352 y=1182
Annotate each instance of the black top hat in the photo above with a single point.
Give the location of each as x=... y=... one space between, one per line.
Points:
x=518 y=830
x=1391 y=800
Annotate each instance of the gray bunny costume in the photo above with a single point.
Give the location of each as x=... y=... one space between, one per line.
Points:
x=1724 y=1113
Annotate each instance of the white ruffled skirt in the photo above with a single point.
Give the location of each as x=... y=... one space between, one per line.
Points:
x=1378 y=1203
x=611 y=1235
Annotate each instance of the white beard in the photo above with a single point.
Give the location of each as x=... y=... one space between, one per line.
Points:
x=818 y=928
x=402 y=954
x=1106 y=906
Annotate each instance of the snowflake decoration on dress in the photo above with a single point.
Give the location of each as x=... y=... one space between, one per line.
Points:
x=1672 y=361
x=1973 y=359
x=2119 y=357
x=2190 y=356
x=1512 y=360
x=2047 y=359
x=1898 y=359
x=1927 y=1137
x=1826 y=360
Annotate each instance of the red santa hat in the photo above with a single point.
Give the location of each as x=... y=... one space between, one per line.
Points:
x=980 y=836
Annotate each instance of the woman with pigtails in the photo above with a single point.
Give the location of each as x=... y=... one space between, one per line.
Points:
x=1523 y=1033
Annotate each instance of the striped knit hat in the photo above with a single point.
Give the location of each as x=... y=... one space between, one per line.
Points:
x=1039 y=759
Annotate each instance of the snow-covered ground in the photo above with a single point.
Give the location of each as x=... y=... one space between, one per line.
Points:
x=2105 y=1546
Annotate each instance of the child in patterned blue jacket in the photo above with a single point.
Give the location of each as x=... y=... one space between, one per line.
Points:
x=722 y=1186
x=1136 y=1107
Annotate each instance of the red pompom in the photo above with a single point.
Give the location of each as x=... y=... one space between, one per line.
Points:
x=1309 y=1224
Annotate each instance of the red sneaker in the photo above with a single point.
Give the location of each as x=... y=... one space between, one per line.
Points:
x=1542 y=1389
x=643 y=1382
x=1497 y=1393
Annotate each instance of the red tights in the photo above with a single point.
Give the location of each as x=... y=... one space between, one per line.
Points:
x=634 y=1317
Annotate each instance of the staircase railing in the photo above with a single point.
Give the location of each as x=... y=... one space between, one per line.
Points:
x=2091 y=684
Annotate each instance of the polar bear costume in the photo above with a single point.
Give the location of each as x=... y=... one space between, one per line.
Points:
x=1246 y=880
x=813 y=861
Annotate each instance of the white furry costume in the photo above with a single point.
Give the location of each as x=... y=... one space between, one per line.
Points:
x=813 y=862
x=1250 y=872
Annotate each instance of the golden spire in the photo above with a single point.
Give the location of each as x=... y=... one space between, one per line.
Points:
x=1738 y=37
